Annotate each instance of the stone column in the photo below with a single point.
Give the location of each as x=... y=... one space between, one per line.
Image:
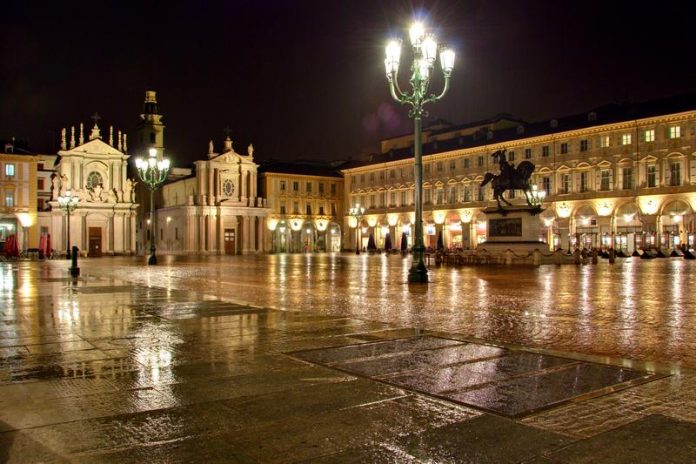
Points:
x=245 y=235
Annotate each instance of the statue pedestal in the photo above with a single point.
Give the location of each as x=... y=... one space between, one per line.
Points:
x=517 y=228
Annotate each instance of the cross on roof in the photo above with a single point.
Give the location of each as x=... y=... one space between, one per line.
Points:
x=95 y=117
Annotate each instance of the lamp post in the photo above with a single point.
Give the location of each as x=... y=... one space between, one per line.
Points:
x=425 y=50
x=153 y=173
x=357 y=212
x=68 y=202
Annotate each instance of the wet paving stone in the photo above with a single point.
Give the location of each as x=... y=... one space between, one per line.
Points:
x=512 y=383
x=525 y=395
x=482 y=440
x=653 y=439
x=331 y=356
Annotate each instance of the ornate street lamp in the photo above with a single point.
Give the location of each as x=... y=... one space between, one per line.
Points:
x=357 y=212
x=153 y=173
x=425 y=49
x=68 y=203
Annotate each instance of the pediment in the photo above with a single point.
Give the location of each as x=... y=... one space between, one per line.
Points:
x=94 y=147
x=227 y=158
x=604 y=163
x=648 y=158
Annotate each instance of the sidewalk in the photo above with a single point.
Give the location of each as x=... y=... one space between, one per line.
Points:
x=102 y=370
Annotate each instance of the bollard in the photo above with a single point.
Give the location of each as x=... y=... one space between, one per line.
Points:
x=537 y=257
x=508 y=257
x=74 y=270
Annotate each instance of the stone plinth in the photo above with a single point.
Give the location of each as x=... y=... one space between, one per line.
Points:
x=516 y=228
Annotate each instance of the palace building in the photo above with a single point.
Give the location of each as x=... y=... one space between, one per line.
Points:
x=306 y=206
x=18 y=186
x=620 y=176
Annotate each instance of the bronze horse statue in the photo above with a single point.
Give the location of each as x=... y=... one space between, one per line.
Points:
x=510 y=178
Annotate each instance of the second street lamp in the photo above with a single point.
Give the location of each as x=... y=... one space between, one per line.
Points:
x=357 y=212
x=425 y=50
x=153 y=173
x=68 y=203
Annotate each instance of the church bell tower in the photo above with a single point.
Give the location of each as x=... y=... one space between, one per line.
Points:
x=150 y=129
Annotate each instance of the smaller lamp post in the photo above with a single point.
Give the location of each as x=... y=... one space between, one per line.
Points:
x=68 y=203
x=153 y=173
x=357 y=212
x=536 y=196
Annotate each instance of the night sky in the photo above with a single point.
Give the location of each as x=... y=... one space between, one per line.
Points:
x=305 y=79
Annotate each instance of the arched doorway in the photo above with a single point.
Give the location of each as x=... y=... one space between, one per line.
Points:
x=629 y=228
x=586 y=228
x=673 y=224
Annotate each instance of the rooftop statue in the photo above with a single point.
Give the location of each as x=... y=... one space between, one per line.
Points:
x=510 y=178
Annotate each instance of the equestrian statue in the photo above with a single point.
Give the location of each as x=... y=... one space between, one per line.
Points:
x=510 y=178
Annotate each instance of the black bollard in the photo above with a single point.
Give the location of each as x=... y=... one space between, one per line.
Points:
x=74 y=270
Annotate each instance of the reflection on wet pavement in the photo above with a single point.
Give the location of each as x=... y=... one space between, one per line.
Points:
x=173 y=364
x=634 y=309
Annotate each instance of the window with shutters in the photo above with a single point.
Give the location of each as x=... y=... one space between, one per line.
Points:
x=650 y=135
x=584 y=181
x=604 y=141
x=565 y=183
x=674 y=132
x=674 y=173
x=626 y=139
x=627 y=178
x=652 y=176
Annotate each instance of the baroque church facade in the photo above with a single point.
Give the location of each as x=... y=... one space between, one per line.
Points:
x=97 y=173
x=214 y=208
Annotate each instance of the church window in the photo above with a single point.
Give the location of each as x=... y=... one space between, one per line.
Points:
x=228 y=188
x=94 y=179
x=152 y=137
